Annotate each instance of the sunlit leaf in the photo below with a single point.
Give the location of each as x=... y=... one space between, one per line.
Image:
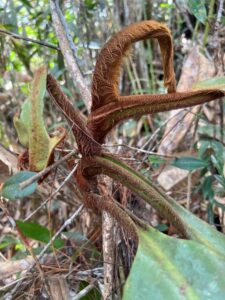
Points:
x=170 y=268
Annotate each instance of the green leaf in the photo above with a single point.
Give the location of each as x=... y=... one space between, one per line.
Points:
x=170 y=268
x=220 y=179
x=189 y=163
x=212 y=83
x=7 y=241
x=198 y=9
x=94 y=294
x=30 y=125
x=38 y=233
x=11 y=188
x=156 y=161
x=207 y=189
x=204 y=145
x=22 y=123
x=197 y=229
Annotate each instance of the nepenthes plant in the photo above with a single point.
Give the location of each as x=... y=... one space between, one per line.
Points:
x=178 y=263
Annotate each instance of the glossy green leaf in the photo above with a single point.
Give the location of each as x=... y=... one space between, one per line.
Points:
x=38 y=233
x=11 y=188
x=170 y=268
x=198 y=9
x=212 y=83
x=189 y=163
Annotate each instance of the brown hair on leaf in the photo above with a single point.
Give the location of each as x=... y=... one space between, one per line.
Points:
x=85 y=142
x=107 y=69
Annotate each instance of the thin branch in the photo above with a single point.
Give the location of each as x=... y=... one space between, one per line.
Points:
x=19 y=37
x=84 y=292
x=36 y=177
x=69 y=51
x=53 y=194
x=140 y=150
x=10 y=295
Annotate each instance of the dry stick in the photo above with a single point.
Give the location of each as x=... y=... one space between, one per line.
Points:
x=27 y=246
x=84 y=292
x=108 y=243
x=9 y=296
x=36 y=177
x=69 y=51
x=140 y=150
x=53 y=194
x=18 y=37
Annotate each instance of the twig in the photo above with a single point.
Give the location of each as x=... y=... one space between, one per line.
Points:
x=65 y=224
x=69 y=51
x=45 y=171
x=219 y=14
x=208 y=21
x=18 y=37
x=53 y=194
x=189 y=191
x=9 y=296
x=84 y=292
x=140 y=150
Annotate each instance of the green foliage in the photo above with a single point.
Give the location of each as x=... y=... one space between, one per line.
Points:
x=94 y=294
x=7 y=241
x=196 y=229
x=189 y=163
x=169 y=268
x=217 y=82
x=156 y=161
x=38 y=233
x=11 y=188
x=198 y=9
x=31 y=128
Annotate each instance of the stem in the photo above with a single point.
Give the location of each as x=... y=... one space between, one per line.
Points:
x=209 y=19
x=107 y=116
x=185 y=222
x=142 y=187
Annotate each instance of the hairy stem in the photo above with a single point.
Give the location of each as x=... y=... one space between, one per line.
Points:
x=107 y=116
x=184 y=221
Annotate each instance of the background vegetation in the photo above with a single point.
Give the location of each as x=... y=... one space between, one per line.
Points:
x=182 y=153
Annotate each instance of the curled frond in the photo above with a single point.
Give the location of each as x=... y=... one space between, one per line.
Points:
x=107 y=70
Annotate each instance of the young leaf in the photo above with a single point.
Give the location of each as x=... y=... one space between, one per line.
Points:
x=189 y=163
x=38 y=233
x=11 y=188
x=170 y=268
